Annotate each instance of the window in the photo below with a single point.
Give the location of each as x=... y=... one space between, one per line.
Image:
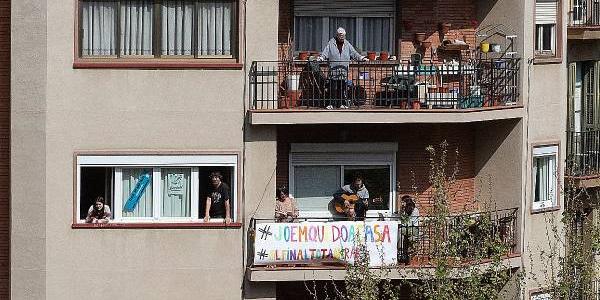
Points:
x=546 y=22
x=369 y=26
x=152 y=188
x=157 y=28
x=540 y=296
x=545 y=177
x=317 y=171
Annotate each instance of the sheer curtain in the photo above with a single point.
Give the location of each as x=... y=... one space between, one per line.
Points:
x=309 y=34
x=214 y=27
x=544 y=179
x=130 y=179
x=376 y=34
x=99 y=28
x=177 y=27
x=175 y=193
x=136 y=27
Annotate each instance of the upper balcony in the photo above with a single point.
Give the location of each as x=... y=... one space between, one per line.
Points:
x=390 y=89
x=429 y=62
x=583 y=156
x=584 y=19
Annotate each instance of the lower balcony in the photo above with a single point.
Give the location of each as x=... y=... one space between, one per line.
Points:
x=320 y=249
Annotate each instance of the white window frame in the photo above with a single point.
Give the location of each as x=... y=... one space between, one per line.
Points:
x=326 y=36
x=545 y=151
x=540 y=296
x=157 y=163
x=540 y=40
x=388 y=151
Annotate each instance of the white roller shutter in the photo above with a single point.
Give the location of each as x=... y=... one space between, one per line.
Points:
x=546 y=11
x=345 y=8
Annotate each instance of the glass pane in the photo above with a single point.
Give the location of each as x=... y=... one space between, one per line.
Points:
x=98 y=28
x=545 y=182
x=137 y=192
x=314 y=186
x=376 y=34
x=349 y=24
x=547 y=37
x=176 y=191
x=177 y=27
x=309 y=34
x=136 y=27
x=376 y=180
x=215 y=27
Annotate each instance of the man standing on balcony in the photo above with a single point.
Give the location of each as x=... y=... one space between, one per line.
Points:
x=339 y=52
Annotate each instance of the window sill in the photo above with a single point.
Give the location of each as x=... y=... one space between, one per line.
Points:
x=544 y=210
x=106 y=63
x=544 y=59
x=156 y=226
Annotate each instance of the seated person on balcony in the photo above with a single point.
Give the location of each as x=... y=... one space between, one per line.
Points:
x=286 y=209
x=218 y=203
x=409 y=229
x=339 y=52
x=356 y=202
x=99 y=212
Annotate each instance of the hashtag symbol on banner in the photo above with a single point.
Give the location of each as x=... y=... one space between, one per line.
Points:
x=265 y=232
x=262 y=254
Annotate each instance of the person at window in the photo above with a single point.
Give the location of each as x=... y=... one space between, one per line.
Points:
x=99 y=212
x=218 y=201
x=355 y=197
x=286 y=209
x=409 y=227
x=339 y=52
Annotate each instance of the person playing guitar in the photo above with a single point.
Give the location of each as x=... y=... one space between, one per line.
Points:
x=352 y=200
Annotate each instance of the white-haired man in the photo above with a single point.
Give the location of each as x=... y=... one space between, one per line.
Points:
x=339 y=52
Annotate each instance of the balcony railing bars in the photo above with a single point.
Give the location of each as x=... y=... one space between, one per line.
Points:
x=415 y=242
x=584 y=13
x=384 y=84
x=583 y=153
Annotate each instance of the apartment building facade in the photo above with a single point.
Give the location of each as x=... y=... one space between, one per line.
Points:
x=140 y=101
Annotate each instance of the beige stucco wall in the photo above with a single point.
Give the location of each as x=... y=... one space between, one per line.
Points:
x=28 y=161
x=59 y=110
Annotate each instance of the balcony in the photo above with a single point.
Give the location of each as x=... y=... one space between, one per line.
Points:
x=584 y=19
x=406 y=86
x=583 y=154
x=414 y=244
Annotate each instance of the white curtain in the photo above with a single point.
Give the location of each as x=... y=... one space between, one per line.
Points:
x=545 y=183
x=376 y=34
x=99 y=28
x=215 y=27
x=136 y=27
x=314 y=186
x=144 y=206
x=177 y=27
x=175 y=193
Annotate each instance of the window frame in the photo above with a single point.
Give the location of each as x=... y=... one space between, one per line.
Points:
x=157 y=161
x=557 y=36
x=543 y=150
x=359 y=21
x=389 y=149
x=155 y=61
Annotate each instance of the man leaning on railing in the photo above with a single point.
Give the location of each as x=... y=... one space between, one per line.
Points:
x=339 y=52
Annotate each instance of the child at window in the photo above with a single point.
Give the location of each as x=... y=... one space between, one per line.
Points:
x=98 y=212
x=286 y=209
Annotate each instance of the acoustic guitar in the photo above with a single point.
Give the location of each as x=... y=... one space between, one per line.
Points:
x=339 y=204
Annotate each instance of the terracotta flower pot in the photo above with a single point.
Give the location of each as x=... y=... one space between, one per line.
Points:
x=303 y=55
x=416 y=105
x=384 y=55
x=371 y=55
x=420 y=37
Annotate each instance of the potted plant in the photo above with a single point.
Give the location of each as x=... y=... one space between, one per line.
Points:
x=371 y=55
x=444 y=27
x=303 y=55
x=384 y=55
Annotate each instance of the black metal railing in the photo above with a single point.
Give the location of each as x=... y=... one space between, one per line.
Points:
x=583 y=153
x=584 y=13
x=384 y=84
x=466 y=232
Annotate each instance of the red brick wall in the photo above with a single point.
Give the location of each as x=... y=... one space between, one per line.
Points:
x=411 y=158
x=4 y=147
x=417 y=16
